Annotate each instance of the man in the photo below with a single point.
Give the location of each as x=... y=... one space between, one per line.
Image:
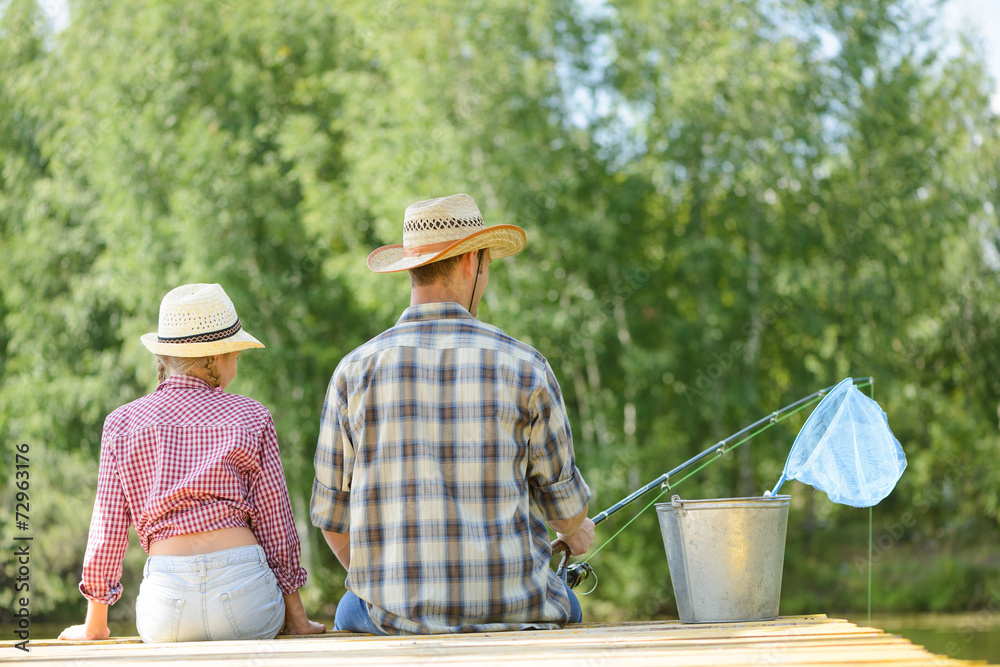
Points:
x=444 y=450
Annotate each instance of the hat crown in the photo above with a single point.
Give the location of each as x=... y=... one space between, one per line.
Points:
x=440 y=228
x=440 y=220
x=196 y=310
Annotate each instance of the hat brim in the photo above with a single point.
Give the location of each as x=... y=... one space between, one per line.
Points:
x=502 y=240
x=241 y=340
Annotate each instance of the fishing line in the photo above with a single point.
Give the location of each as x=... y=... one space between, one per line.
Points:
x=871 y=391
x=869 y=566
x=669 y=485
x=627 y=524
x=592 y=588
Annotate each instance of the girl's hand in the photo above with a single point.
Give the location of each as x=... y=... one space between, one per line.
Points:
x=79 y=633
x=309 y=628
x=94 y=629
x=296 y=621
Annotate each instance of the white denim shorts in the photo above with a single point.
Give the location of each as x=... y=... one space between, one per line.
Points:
x=229 y=594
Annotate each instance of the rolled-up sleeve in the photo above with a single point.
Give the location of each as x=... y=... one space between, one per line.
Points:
x=556 y=485
x=273 y=520
x=334 y=461
x=109 y=524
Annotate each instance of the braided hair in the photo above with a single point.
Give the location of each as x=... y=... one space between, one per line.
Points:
x=200 y=367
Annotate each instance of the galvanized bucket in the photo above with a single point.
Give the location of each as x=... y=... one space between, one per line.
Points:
x=725 y=556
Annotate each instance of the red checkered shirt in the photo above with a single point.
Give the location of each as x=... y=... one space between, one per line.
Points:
x=188 y=459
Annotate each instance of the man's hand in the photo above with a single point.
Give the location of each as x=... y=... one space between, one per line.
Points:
x=580 y=541
x=576 y=531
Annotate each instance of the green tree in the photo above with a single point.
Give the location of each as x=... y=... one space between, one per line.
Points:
x=728 y=206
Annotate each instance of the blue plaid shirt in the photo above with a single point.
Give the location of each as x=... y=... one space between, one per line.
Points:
x=444 y=446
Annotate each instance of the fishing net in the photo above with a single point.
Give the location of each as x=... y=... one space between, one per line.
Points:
x=846 y=449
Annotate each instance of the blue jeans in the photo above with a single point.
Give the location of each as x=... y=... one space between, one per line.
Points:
x=230 y=594
x=575 y=610
x=352 y=614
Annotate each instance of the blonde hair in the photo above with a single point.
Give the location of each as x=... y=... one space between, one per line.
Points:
x=199 y=367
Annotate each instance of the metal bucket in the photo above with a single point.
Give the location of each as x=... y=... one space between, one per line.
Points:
x=725 y=556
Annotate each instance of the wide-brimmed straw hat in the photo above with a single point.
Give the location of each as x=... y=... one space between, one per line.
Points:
x=198 y=321
x=436 y=229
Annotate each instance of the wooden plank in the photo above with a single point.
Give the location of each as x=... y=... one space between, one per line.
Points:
x=806 y=640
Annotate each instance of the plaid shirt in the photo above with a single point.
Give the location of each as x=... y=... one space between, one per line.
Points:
x=444 y=446
x=187 y=459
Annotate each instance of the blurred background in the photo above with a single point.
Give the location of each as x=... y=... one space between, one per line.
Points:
x=729 y=205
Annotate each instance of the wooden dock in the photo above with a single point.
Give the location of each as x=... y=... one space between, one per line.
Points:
x=792 y=640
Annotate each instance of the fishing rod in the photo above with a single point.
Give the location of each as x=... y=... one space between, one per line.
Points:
x=578 y=572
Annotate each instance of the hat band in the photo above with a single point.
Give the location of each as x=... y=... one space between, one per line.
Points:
x=205 y=337
x=430 y=247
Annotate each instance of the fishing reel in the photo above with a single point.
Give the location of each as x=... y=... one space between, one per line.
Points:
x=574 y=574
x=577 y=573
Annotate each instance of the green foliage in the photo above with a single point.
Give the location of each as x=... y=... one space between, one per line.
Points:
x=728 y=206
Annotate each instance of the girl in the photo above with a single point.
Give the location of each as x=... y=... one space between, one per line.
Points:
x=196 y=471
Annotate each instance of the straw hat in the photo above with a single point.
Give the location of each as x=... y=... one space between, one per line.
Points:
x=437 y=229
x=198 y=321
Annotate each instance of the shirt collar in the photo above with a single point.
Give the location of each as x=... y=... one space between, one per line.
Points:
x=184 y=382
x=423 y=312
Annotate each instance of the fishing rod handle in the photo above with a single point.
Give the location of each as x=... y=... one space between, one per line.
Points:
x=557 y=546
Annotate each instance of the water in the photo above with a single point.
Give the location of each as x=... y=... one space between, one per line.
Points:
x=971 y=636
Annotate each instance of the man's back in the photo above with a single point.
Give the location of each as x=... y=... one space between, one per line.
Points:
x=444 y=447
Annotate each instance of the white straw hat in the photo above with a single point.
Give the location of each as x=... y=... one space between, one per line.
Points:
x=198 y=321
x=436 y=229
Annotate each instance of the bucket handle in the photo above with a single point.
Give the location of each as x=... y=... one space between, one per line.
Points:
x=678 y=505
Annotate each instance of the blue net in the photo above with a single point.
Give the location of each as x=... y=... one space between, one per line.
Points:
x=846 y=449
